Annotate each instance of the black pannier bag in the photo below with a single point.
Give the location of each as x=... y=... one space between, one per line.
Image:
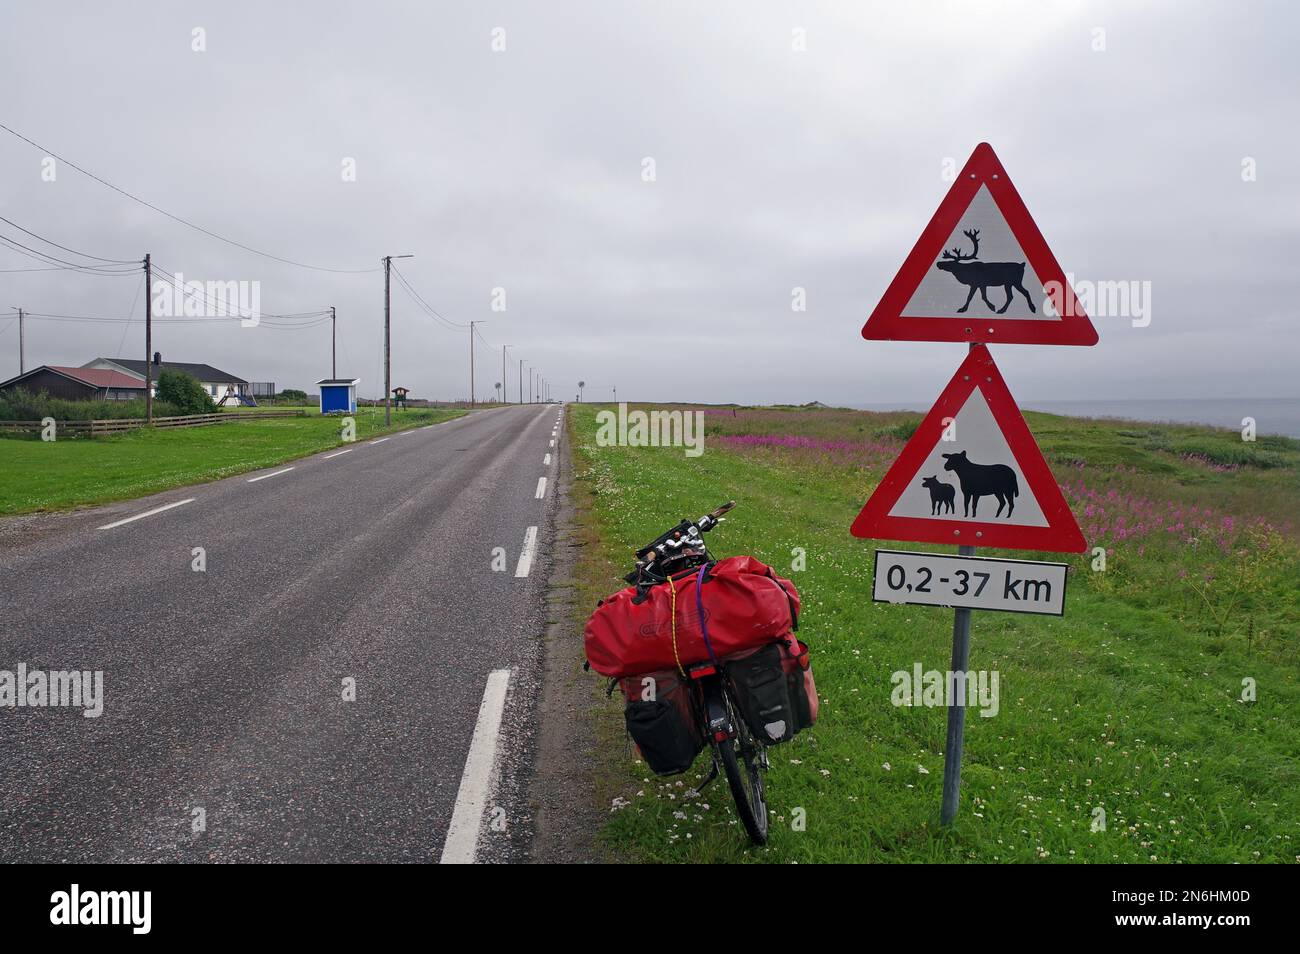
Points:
x=762 y=690
x=661 y=721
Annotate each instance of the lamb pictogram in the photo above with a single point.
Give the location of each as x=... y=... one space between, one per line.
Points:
x=942 y=496
x=981 y=276
x=979 y=480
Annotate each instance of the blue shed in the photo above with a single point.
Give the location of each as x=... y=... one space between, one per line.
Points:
x=338 y=395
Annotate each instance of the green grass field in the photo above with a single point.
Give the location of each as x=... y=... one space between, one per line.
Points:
x=63 y=474
x=1131 y=703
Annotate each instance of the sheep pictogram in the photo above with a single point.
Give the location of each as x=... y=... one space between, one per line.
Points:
x=981 y=276
x=942 y=496
x=979 y=480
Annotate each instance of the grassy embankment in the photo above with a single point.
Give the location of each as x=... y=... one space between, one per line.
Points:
x=1131 y=703
x=78 y=472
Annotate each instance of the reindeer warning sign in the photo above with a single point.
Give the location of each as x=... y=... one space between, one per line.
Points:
x=972 y=475
x=981 y=271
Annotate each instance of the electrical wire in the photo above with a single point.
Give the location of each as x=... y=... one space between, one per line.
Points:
x=46 y=258
x=419 y=299
x=112 y=261
x=177 y=218
x=129 y=314
x=220 y=305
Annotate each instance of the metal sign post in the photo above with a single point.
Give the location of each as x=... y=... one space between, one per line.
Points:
x=952 y=746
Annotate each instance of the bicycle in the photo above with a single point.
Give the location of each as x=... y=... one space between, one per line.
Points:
x=736 y=750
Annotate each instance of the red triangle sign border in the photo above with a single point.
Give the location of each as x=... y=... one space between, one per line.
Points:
x=1062 y=533
x=887 y=322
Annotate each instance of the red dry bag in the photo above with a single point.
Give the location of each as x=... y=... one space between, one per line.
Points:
x=744 y=603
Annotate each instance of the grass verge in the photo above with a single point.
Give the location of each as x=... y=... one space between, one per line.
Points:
x=1128 y=712
x=40 y=475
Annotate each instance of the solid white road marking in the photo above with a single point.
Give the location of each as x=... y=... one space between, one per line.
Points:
x=462 y=834
x=541 y=488
x=253 y=480
x=526 y=554
x=147 y=513
x=404 y=433
x=379 y=440
x=337 y=453
x=546 y=461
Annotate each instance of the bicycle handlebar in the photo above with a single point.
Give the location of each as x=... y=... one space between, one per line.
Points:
x=684 y=534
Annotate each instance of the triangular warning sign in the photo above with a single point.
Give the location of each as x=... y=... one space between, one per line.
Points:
x=981 y=271
x=972 y=475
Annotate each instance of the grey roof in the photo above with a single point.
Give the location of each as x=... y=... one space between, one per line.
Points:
x=204 y=372
x=339 y=381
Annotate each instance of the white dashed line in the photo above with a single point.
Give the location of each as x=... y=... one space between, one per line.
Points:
x=147 y=513
x=253 y=480
x=461 y=845
x=552 y=443
x=379 y=440
x=546 y=461
x=337 y=453
x=526 y=554
x=541 y=488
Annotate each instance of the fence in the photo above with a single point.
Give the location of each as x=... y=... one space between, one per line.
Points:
x=112 y=425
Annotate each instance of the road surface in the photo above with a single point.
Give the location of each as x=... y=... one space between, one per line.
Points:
x=227 y=733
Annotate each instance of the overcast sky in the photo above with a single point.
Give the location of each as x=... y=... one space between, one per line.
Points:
x=775 y=168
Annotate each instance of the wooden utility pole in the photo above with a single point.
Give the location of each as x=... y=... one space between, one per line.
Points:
x=388 y=367
x=148 y=339
x=521 y=380
x=334 y=342
x=471 y=363
x=503 y=373
x=388 y=350
x=22 y=365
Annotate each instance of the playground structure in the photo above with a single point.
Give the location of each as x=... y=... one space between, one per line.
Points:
x=240 y=398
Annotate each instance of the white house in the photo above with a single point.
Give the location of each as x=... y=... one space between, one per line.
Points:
x=215 y=381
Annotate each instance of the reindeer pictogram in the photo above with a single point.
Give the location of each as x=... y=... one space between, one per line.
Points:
x=981 y=276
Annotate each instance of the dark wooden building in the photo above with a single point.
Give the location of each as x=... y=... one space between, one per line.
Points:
x=77 y=384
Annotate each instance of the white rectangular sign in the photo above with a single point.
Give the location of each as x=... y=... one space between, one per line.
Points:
x=987 y=583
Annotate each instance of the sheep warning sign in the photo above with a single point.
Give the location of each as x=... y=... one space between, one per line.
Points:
x=972 y=475
x=981 y=271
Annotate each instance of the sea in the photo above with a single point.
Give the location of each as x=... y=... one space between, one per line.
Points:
x=1272 y=415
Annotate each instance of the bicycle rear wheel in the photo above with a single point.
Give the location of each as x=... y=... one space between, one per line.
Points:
x=742 y=760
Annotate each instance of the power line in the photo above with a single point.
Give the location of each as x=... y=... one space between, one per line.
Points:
x=177 y=218
x=293 y=326
x=112 y=261
x=221 y=305
x=47 y=258
x=125 y=328
x=57 y=268
x=419 y=299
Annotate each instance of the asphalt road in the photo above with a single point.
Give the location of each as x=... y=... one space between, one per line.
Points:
x=224 y=689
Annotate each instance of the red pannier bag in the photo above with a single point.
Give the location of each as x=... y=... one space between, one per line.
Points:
x=745 y=605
